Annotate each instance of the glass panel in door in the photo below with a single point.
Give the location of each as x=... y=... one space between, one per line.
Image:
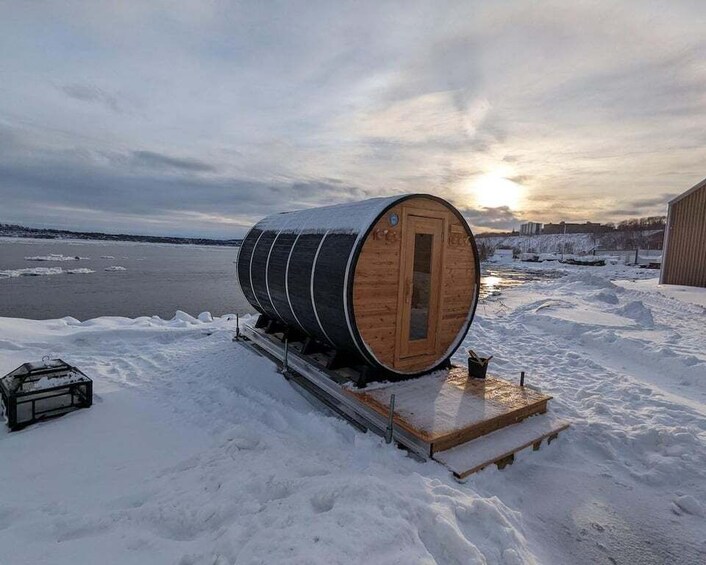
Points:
x=421 y=286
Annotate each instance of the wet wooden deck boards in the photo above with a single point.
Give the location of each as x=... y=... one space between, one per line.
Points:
x=446 y=408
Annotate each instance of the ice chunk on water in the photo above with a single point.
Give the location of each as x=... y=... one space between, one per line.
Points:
x=55 y=257
x=42 y=272
x=32 y=272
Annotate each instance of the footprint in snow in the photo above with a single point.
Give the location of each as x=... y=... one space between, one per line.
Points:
x=687 y=504
x=322 y=502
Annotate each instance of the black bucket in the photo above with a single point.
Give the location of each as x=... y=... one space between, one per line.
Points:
x=477 y=366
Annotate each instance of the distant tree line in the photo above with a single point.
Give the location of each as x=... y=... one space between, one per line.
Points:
x=641 y=224
x=12 y=230
x=648 y=223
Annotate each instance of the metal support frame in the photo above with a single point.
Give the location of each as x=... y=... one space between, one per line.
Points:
x=390 y=421
x=320 y=380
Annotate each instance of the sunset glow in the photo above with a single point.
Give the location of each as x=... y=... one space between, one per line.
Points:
x=494 y=191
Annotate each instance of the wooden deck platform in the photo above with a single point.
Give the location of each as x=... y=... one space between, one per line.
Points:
x=464 y=424
x=446 y=409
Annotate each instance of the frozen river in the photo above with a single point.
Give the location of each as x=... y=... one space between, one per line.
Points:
x=157 y=279
x=45 y=279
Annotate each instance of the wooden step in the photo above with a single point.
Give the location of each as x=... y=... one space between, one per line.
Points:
x=500 y=446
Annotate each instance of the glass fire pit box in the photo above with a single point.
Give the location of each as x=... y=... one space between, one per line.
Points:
x=35 y=391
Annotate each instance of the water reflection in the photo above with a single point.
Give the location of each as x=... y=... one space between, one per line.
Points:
x=490 y=285
x=494 y=279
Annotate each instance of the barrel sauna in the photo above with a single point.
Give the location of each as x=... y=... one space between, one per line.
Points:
x=392 y=281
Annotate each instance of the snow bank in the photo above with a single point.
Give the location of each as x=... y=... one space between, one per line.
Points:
x=545 y=243
x=687 y=294
x=205 y=317
x=627 y=366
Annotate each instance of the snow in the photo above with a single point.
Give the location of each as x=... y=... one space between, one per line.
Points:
x=573 y=242
x=529 y=257
x=584 y=259
x=49 y=382
x=452 y=408
x=205 y=317
x=197 y=451
x=500 y=443
x=545 y=243
x=20 y=379
x=688 y=294
x=340 y=218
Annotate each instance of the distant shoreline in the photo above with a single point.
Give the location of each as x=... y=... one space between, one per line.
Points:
x=22 y=232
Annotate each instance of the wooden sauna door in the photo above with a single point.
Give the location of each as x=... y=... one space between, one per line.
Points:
x=418 y=319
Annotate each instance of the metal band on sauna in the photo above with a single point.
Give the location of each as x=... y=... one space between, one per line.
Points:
x=267 y=273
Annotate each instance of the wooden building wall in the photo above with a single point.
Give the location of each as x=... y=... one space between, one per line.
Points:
x=684 y=261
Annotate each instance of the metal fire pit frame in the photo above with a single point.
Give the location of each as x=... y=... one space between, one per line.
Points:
x=79 y=394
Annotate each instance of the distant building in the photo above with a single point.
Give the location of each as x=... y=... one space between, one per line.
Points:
x=531 y=228
x=566 y=227
x=684 y=250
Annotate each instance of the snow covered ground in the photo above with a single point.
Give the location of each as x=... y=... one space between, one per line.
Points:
x=197 y=452
x=573 y=242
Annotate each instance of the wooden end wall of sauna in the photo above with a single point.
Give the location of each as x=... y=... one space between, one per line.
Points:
x=378 y=282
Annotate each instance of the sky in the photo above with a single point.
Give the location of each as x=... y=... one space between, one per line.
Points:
x=199 y=118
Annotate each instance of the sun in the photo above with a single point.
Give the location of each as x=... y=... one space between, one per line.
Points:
x=495 y=191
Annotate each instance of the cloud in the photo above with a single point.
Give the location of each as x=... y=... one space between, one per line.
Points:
x=201 y=117
x=90 y=93
x=640 y=207
x=158 y=160
x=660 y=201
x=501 y=218
x=76 y=188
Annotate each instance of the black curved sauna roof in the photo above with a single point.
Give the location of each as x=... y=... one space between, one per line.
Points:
x=339 y=218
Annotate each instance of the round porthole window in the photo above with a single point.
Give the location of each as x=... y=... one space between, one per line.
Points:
x=394 y=219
